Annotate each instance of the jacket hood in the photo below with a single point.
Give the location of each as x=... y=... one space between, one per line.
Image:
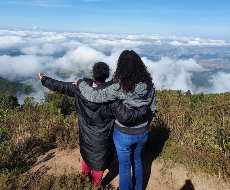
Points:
x=90 y=105
x=141 y=89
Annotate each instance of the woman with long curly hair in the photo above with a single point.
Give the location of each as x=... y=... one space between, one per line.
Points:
x=133 y=84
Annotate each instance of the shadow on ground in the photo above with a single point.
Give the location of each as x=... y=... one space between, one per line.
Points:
x=188 y=185
x=158 y=135
x=34 y=154
x=113 y=171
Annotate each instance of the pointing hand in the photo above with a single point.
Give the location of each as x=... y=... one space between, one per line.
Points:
x=40 y=75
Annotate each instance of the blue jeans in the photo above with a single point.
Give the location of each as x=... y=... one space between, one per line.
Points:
x=129 y=148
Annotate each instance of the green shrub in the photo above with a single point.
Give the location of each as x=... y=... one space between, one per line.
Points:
x=199 y=129
x=62 y=102
x=8 y=101
x=29 y=102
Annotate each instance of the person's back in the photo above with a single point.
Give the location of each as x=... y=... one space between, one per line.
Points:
x=96 y=123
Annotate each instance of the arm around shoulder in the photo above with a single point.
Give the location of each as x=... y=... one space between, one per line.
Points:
x=107 y=94
x=130 y=117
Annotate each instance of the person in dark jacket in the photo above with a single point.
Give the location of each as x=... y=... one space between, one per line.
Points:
x=96 y=121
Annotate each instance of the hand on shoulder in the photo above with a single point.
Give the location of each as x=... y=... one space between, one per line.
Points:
x=75 y=83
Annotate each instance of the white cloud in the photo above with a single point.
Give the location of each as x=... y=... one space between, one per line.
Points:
x=101 y=41
x=220 y=83
x=8 y=42
x=45 y=49
x=196 y=43
x=207 y=43
x=81 y=58
x=189 y=65
x=23 y=65
x=52 y=38
x=172 y=74
x=70 y=45
x=158 y=42
x=123 y=42
x=196 y=57
x=176 y=43
x=49 y=51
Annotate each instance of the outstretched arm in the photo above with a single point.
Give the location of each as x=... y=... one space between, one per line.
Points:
x=66 y=88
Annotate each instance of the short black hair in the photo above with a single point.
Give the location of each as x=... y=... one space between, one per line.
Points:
x=100 y=71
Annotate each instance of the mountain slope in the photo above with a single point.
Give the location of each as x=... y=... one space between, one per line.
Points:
x=14 y=88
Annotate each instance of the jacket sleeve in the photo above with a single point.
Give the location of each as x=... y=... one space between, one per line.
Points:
x=66 y=88
x=153 y=106
x=107 y=94
x=129 y=117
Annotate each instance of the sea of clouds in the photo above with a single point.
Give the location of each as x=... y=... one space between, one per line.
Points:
x=48 y=51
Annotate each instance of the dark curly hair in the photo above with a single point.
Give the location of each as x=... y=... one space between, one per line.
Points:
x=130 y=71
x=100 y=71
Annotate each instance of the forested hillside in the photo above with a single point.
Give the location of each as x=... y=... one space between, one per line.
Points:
x=14 y=87
x=190 y=129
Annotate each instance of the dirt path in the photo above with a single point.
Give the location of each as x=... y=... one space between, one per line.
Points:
x=157 y=174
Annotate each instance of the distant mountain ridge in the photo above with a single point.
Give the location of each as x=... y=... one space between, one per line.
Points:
x=14 y=88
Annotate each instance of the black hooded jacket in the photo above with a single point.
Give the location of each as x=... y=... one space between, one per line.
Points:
x=96 y=122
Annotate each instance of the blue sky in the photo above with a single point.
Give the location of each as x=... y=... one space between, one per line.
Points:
x=208 y=19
